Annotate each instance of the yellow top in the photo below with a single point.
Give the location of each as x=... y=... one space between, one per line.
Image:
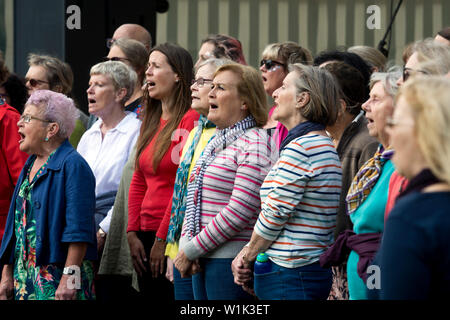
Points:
x=172 y=248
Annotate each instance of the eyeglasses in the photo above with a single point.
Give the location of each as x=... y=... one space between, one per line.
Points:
x=109 y=42
x=269 y=64
x=34 y=82
x=115 y=59
x=407 y=72
x=27 y=118
x=200 y=81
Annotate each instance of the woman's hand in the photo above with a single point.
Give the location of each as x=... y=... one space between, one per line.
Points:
x=7 y=283
x=183 y=264
x=101 y=239
x=157 y=258
x=241 y=270
x=169 y=270
x=63 y=292
x=137 y=251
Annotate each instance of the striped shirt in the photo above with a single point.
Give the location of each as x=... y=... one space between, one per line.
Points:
x=230 y=197
x=300 y=200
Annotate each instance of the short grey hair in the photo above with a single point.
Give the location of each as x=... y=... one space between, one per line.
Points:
x=121 y=75
x=215 y=62
x=324 y=93
x=388 y=80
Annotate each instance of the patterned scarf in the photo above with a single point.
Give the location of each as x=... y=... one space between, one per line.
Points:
x=366 y=178
x=223 y=138
x=180 y=188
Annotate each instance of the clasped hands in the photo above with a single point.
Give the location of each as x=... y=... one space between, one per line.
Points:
x=185 y=266
x=242 y=269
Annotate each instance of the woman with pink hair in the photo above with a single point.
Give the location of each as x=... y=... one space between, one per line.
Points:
x=49 y=242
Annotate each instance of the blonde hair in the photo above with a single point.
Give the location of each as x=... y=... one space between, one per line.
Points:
x=437 y=66
x=250 y=89
x=428 y=98
x=288 y=52
x=429 y=49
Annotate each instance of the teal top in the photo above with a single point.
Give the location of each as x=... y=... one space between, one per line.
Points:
x=369 y=217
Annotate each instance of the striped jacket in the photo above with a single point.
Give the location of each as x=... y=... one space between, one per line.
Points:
x=230 y=197
x=300 y=200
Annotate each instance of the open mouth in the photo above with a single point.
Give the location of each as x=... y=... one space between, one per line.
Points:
x=264 y=79
x=213 y=106
x=150 y=84
x=22 y=137
x=91 y=101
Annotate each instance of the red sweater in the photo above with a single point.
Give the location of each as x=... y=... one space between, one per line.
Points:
x=397 y=184
x=150 y=191
x=11 y=159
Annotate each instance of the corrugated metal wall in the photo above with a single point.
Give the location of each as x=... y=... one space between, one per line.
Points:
x=315 y=24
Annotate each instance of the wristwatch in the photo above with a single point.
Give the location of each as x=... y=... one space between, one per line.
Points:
x=69 y=271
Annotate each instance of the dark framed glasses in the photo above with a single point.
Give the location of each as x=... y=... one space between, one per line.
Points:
x=201 y=81
x=269 y=64
x=27 y=118
x=407 y=72
x=115 y=59
x=34 y=82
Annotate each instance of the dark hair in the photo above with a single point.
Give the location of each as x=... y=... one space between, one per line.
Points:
x=351 y=83
x=4 y=72
x=350 y=58
x=17 y=92
x=226 y=47
x=445 y=33
x=181 y=63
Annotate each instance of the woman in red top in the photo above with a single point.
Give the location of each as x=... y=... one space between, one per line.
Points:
x=168 y=119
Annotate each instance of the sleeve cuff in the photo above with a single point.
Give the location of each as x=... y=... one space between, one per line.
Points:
x=191 y=251
x=106 y=222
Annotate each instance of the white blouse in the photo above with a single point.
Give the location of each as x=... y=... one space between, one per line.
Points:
x=108 y=156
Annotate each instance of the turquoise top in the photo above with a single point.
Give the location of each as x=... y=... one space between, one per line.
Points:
x=369 y=217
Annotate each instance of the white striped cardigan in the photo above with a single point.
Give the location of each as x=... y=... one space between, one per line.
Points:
x=300 y=200
x=230 y=196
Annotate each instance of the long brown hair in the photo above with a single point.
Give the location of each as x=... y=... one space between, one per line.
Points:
x=181 y=63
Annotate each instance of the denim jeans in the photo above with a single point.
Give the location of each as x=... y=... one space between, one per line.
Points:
x=182 y=286
x=216 y=281
x=311 y=282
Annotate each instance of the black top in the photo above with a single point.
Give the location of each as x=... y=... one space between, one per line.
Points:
x=414 y=256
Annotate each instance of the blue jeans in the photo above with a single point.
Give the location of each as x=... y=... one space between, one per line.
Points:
x=216 y=281
x=182 y=286
x=311 y=282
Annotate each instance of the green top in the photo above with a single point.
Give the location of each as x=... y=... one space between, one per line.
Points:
x=369 y=217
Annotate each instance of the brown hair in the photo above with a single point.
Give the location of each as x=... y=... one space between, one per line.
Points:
x=324 y=93
x=181 y=63
x=226 y=47
x=58 y=73
x=250 y=89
